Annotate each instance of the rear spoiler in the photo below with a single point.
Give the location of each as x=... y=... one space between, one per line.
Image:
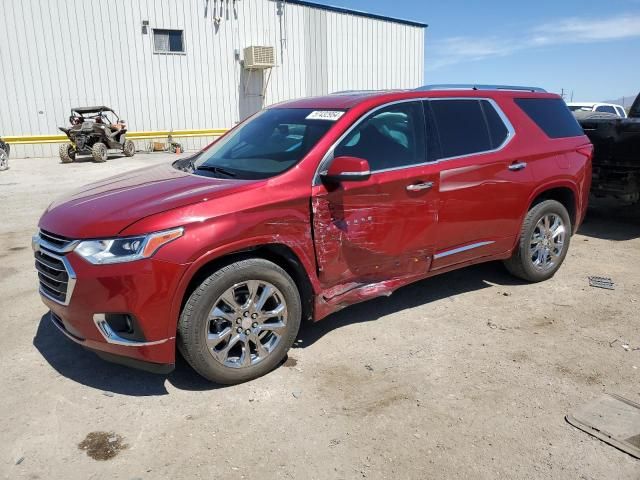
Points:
x=635 y=108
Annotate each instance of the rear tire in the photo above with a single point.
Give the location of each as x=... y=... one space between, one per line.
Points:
x=67 y=153
x=544 y=241
x=129 y=148
x=99 y=152
x=227 y=316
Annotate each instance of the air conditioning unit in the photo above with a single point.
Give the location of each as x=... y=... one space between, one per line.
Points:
x=257 y=58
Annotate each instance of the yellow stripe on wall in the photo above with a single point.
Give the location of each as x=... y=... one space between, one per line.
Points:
x=42 y=139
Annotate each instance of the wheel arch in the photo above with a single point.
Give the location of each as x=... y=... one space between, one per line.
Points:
x=280 y=254
x=565 y=193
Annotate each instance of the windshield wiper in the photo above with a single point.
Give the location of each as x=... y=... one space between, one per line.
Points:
x=218 y=170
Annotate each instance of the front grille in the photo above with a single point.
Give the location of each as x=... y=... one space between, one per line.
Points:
x=55 y=275
x=56 y=241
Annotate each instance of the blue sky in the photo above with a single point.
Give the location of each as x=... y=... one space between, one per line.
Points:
x=589 y=47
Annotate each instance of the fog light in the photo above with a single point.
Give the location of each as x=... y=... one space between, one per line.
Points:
x=122 y=325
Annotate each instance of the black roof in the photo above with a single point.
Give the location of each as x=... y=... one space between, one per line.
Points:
x=97 y=109
x=359 y=13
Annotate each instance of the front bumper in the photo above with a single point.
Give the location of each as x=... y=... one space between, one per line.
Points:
x=143 y=289
x=129 y=361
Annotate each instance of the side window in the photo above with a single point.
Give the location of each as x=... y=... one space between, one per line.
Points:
x=552 y=116
x=391 y=137
x=606 y=109
x=620 y=111
x=498 y=131
x=462 y=128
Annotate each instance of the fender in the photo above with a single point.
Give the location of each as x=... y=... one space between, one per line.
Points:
x=307 y=262
x=556 y=183
x=540 y=189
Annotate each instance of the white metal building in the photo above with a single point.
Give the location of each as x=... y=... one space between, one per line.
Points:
x=180 y=64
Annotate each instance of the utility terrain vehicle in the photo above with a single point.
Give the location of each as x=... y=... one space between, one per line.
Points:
x=94 y=131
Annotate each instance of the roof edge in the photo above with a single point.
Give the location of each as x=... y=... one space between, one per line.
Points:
x=360 y=13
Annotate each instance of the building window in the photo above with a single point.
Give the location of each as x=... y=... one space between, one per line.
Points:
x=168 y=41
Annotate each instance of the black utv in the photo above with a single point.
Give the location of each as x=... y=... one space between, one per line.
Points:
x=616 y=160
x=94 y=131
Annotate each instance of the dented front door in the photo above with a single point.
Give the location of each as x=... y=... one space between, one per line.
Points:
x=376 y=230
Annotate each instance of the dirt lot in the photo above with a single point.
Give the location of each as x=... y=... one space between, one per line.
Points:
x=467 y=375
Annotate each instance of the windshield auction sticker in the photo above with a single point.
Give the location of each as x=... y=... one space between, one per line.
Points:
x=330 y=115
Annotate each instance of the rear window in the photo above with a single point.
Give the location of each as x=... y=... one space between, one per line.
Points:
x=552 y=116
x=606 y=109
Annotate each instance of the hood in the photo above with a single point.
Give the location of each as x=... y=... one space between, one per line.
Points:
x=635 y=108
x=105 y=208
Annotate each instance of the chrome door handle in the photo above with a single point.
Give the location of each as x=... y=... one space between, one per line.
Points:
x=416 y=187
x=517 y=166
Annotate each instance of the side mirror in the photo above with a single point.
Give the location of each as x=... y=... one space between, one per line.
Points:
x=347 y=169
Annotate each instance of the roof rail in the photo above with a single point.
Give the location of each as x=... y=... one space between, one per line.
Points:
x=360 y=92
x=469 y=86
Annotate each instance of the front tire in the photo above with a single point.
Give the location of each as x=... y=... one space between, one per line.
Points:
x=240 y=322
x=67 y=153
x=544 y=241
x=129 y=148
x=99 y=152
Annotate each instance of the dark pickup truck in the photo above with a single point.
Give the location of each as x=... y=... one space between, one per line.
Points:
x=616 y=160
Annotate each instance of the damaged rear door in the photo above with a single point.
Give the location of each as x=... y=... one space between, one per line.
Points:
x=381 y=228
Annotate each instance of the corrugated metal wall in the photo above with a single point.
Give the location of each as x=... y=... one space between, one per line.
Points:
x=58 y=54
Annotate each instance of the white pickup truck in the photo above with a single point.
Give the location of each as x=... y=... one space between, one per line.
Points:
x=598 y=107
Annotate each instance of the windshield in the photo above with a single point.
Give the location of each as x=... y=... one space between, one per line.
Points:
x=267 y=145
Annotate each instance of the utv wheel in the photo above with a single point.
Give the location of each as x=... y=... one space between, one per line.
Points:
x=240 y=322
x=99 y=152
x=4 y=160
x=129 y=148
x=544 y=242
x=67 y=153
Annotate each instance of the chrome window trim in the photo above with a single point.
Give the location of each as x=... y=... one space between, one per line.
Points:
x=328 y=157
x=357 y=174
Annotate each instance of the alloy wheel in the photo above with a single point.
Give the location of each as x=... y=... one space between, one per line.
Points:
x=547 y=242
x=246 y=323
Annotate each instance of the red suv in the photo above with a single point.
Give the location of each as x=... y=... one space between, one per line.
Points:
x=307 y=207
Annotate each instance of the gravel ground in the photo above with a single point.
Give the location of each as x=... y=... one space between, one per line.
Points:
x=466 y=375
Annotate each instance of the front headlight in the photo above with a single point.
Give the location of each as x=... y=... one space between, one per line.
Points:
x=126 y=249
